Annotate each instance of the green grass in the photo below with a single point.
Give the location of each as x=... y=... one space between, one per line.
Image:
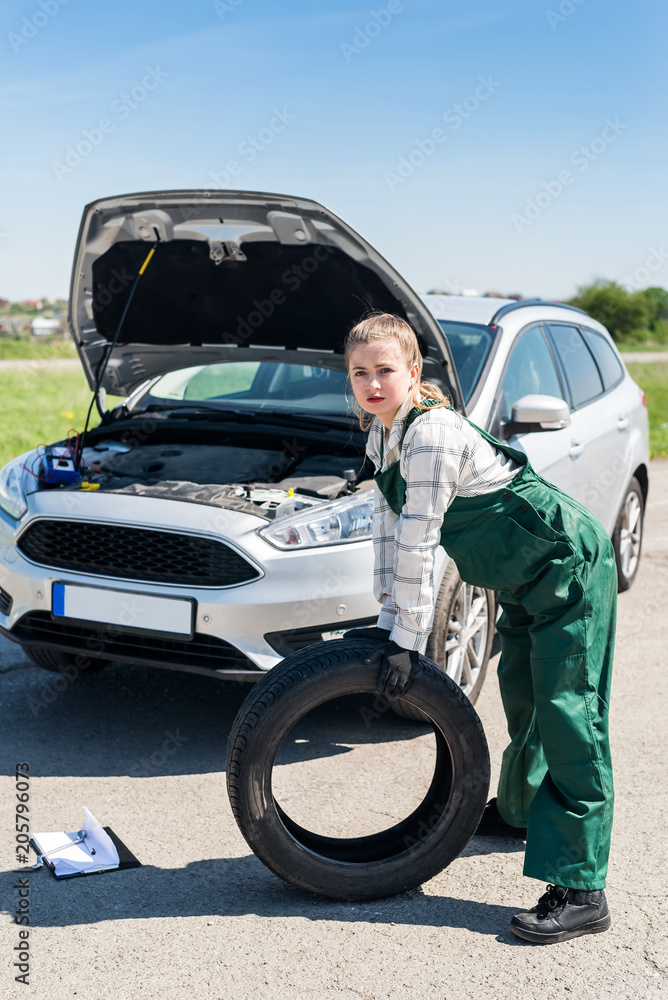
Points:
x=653 y=380
x=35 y=350
x=39 y=406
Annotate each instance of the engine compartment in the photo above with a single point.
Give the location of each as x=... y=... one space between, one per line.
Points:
x=268 y=474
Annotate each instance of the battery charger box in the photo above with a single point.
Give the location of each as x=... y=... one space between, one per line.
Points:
x=57 y=468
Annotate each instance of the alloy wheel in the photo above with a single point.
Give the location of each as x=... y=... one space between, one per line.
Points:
x=630 y=535
x=466 y=638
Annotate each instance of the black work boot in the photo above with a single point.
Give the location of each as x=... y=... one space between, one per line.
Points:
x=563 y=913
x=492 y=825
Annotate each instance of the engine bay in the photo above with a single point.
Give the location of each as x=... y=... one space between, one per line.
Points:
x=263 y=474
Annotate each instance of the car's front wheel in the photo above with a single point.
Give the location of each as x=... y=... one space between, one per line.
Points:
x=461 y=639
x=627 y=536
x=58 y=661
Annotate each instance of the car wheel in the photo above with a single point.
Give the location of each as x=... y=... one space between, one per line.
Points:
x=385 y=863
x=627 y=536
x=461 y=640
x=58 y=661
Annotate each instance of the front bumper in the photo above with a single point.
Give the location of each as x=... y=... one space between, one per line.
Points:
x=299 y=593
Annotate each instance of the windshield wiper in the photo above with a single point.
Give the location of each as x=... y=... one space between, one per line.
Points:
x=305 y=418
x=198 y=412
x=302 y=418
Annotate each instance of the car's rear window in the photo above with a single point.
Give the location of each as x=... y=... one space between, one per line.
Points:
x=608 y=363
x=582 y=373
x=470 y=344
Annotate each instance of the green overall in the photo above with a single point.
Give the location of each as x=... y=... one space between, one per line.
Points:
x=553 y=567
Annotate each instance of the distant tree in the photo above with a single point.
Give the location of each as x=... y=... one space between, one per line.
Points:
x=625 y=314
x=657 y=305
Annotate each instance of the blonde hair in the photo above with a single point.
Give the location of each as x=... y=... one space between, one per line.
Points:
x=386 y=326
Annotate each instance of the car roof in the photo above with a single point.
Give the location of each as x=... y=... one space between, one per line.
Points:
x=480 y=308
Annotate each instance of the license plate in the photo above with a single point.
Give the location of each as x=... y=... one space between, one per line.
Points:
x=118 y=607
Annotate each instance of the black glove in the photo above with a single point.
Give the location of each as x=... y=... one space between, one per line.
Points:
x=398 y=668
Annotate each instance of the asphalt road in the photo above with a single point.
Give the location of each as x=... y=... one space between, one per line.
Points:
x=204 y=918
x=646 y=357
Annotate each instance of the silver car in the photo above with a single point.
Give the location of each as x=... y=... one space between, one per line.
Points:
x=219 y=517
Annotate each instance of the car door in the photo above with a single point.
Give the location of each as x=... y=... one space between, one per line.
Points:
x=532 y=368
x=598 y=438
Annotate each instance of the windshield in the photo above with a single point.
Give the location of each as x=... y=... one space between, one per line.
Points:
x=470 y=345
x=256 y=385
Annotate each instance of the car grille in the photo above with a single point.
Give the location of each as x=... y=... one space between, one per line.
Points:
x=208 y=651
x=5 y=602
x=134 y=553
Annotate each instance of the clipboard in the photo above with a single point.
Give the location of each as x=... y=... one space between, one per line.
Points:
x=89 y=851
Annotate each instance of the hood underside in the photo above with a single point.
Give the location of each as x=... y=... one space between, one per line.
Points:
x=235 y=276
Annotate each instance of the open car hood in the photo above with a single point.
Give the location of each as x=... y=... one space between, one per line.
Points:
x=236 y=275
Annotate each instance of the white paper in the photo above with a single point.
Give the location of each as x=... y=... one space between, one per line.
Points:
x=77 y=857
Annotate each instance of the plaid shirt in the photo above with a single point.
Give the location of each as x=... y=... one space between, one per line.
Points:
x=441 y=457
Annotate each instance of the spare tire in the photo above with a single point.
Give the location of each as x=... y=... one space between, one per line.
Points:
x=385 y=863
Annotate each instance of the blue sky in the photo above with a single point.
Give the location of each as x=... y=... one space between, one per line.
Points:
x=438 y=130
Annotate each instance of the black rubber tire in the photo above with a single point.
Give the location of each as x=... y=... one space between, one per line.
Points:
x=384 y=863
x=58 y=661
x=625 y=577
x=446 y=607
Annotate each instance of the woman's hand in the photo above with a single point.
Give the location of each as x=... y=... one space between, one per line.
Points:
x=398 y=667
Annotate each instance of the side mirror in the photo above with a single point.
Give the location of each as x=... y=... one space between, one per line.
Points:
x=537 y=412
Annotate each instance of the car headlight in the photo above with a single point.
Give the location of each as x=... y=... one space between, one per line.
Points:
x=12 y=494
x=349 y=519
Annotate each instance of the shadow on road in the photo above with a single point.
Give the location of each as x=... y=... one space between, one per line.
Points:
x=235 y=887
x=144 y=722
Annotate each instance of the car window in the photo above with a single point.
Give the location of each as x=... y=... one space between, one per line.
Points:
x=216 y=381
x=470 y=345
x=530 y=369
x=608 y=363
x=257 y=385
x=582 y=374
x=206 y=381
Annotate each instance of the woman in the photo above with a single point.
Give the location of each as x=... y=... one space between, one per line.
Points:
x=441 y=480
